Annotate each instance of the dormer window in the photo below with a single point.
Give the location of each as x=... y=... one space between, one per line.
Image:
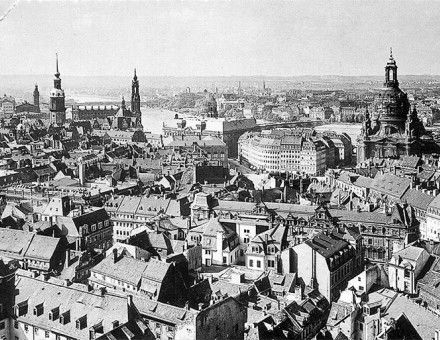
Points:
x=81 y=323
x=54 y=313
x=38 y=309
x=65 y=317
x=21 y=308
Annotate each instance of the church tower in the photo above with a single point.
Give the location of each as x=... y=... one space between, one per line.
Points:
x=37 y=99
x=135 y=97
x=391 y=72
x=397 y=130
x=57 y=100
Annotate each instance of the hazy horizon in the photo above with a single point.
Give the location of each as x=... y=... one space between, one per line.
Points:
x=218 y=38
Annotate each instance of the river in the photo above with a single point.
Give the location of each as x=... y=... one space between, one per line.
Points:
x=353 y=130
x=153 y=118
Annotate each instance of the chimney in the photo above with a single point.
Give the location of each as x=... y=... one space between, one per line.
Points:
x=67 y=258
x=115 y=255
x=92 y=333
x=130 y=300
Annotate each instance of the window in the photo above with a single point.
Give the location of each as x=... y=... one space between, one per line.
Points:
x=26 y=328
x=2 y=325
x=16 y=324
x=258 y=263
x=271 y=263
x=46 y=334
x=251 y=263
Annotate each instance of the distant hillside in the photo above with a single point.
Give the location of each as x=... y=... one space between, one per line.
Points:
x=115 y=86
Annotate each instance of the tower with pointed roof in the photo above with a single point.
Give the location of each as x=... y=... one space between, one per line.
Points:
x=36 y=99
x=57 y=105
x=397 y=130
x=135 y=96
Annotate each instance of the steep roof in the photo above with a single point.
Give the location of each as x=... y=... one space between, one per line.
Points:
x=326 y=245
x=390 y=184
x=91 y=308
x=19 y=244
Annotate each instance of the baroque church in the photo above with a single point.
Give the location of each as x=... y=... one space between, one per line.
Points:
x=396 y=129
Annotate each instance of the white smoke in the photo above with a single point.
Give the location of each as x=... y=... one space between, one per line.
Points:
x=9 y=10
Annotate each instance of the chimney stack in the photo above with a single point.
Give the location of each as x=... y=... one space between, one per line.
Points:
x=130 y=300
x=115 y=255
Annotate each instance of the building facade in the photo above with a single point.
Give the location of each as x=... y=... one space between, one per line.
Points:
x=285 y=153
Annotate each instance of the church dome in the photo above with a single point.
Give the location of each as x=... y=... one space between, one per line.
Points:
x=392 y=103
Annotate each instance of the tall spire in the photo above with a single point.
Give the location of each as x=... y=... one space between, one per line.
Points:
x=57 y=74
x=135 y=97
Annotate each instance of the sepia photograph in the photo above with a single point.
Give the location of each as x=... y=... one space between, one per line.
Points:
x=219 y=169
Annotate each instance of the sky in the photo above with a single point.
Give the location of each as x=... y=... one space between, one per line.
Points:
x=219 y=38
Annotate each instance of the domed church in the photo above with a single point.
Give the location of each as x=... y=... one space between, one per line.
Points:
x=396 y=130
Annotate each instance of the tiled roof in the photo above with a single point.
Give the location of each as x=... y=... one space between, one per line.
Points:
x=126 y=268
x=424 y=321
x=42 y=247
x=418 y=199
x=390 y=184
x=93 y=308
x=410 y=253
x=435 y=203
x=136 y=272
x=326 y=245
x=19 y=244
x=161 y=311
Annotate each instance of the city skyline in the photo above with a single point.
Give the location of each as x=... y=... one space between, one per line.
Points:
x=226 y=38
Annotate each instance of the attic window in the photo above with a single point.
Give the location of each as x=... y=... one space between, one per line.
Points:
x=65 y=317
x=21 y=308
x=81 y=322
x=38 y=309
x=54 y=313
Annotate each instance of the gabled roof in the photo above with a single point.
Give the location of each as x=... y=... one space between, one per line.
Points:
x=390 y=184
x=94 y=309
x=326 y=245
